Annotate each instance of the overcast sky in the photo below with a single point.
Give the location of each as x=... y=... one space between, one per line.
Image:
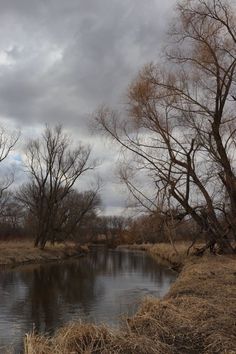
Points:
x=61 y=59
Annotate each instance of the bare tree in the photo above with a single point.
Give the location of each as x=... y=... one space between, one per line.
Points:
x=181 y=125
x=75 y=213
x=11 y=216
x=7 y=144
x=54 y=168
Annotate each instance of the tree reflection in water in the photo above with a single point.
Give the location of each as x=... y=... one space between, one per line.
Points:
x=99 y=287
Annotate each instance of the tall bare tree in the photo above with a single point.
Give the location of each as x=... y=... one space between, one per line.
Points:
x=181 y=126
x=54 y=167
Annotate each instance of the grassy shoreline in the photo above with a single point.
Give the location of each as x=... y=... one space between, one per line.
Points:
x=13 y=254
x=196 y=316
x=164 y=253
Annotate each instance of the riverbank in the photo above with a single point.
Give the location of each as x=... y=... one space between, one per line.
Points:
x=196 y=316
x=165 y=253
x=23 y=252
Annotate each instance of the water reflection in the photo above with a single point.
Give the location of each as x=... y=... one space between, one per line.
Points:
x=99 y=287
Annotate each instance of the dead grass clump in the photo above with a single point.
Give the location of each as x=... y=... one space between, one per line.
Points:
x=86 y=338
x=165 y=321
x=76 y=338
x=82 y=338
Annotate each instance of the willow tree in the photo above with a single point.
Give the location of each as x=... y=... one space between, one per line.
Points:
x=181 y=124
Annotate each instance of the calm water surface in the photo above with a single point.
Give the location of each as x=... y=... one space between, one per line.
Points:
x=100 y=287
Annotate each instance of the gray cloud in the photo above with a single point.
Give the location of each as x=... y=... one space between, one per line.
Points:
x=60 y=59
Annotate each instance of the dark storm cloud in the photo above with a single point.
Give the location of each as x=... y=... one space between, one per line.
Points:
x=63 y=58
x=60 y=59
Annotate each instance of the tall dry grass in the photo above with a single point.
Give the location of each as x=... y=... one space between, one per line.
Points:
x=91 y=339
x=198 y=314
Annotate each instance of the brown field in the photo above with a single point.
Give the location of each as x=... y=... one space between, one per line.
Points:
x=21 y=252
x=198 y=315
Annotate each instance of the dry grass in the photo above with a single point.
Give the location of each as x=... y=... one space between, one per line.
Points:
x=90 y=339
x=165 y=252
x=136 y=247
x=199 y=313
x=198 y=316
x=19 y=252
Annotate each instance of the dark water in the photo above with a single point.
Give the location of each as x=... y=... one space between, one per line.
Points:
x=100 y=287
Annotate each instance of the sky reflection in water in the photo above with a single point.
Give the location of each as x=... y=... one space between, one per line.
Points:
x=100 y=288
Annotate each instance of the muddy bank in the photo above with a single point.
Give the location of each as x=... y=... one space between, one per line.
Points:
x=17 y=253
x=196 y=316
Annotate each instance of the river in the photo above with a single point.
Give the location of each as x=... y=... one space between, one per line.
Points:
x=101 y=287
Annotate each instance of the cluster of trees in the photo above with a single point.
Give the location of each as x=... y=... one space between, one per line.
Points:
x=110 y=229
x=156 y=227
x=180 y=130
x=49 y=206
